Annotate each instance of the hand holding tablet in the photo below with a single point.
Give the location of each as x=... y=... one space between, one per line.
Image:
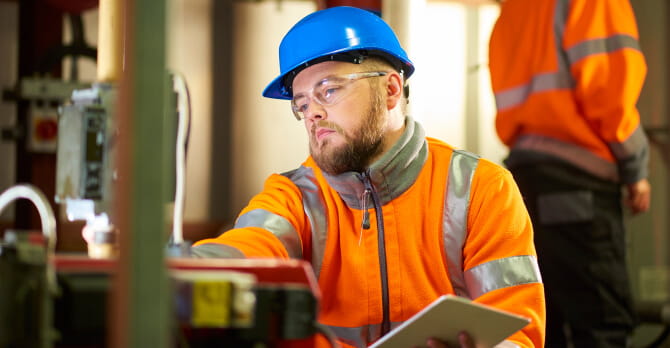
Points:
x=449 y=315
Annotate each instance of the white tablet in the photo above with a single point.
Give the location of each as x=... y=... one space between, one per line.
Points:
x=448 y=315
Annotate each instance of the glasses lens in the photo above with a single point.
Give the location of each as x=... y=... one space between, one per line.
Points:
x=328 y=92
x=299 y=106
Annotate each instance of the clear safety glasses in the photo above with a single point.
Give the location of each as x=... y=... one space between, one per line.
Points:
x=328 y=91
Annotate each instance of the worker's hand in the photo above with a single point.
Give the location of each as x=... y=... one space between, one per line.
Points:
x=639 y=195
x=464 y=340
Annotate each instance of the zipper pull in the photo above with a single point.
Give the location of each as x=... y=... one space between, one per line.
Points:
x=366 y=220
x=366 y=215
x=365 y=224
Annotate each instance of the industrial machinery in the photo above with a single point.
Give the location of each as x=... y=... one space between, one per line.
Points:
x=216 y=303
x=52 y=300
x=64 y=301
x=85 y=161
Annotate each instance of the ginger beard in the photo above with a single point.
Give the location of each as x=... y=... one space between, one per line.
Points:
x=363 y=144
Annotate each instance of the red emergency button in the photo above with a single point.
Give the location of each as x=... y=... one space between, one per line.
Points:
x=46 y=129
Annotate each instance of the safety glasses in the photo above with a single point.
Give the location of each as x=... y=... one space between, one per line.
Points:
x=328 y=91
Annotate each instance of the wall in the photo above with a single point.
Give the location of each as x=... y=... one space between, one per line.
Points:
x=266 y=136
x=649 y=234
x=451 y=89
x=189 y=53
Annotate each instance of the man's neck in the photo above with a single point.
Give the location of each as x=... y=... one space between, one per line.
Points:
x=394 y=130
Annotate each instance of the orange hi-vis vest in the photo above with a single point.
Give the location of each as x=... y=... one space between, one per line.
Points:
x=567 y=75
x=422 y=221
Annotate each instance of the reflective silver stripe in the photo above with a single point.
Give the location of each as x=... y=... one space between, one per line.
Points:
x=560 y=79
x=571 y=153
x=541 y=82
x=360 y=336
x=314 y=207
x=560 y=18
x=502 y=273
x=277 y=225
x=357 y=336
x=601 y=45
x=455 y=216
x=215 y=250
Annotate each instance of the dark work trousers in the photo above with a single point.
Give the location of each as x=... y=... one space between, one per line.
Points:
x=580 y=242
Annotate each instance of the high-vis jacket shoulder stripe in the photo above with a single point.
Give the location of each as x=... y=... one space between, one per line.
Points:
x=493 y=275
x=454 y=215
x=314 y=207
x=562 y=79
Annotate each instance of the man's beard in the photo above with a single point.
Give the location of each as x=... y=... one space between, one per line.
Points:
x=363 y=145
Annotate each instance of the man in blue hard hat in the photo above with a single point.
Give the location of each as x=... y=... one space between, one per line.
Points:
x=389 y=219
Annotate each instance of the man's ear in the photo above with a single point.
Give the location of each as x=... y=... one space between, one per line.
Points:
x=394 y=90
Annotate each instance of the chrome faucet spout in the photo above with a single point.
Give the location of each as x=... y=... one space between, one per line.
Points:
x=33 y=194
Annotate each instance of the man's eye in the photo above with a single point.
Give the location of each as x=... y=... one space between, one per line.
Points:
x=300 y=104
x=331 y=92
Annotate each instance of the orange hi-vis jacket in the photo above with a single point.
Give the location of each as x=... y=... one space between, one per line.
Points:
x=567 y=75
x=422 y=221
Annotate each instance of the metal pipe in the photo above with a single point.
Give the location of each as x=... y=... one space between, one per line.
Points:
x=33 y=194
x=47 y=218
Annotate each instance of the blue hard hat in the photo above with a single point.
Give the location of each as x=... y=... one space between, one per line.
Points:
x=340 y=33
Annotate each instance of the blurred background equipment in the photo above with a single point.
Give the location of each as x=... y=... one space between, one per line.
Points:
x=28 y=280
x=237 y=303
x=85 y=161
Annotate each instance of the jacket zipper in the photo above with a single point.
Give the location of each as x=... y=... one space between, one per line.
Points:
x=365 y=224
x=370 y=191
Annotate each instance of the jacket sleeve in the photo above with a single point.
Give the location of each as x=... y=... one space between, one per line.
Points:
x=500 y=262
x=269 y=226
x=608 y=68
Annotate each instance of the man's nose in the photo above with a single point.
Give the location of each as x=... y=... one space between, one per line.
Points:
x=315 y=111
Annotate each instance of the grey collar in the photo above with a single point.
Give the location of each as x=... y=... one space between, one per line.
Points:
x=392 y=174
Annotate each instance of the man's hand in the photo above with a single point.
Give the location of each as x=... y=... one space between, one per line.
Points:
x=464 y=340
x=639 y=194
